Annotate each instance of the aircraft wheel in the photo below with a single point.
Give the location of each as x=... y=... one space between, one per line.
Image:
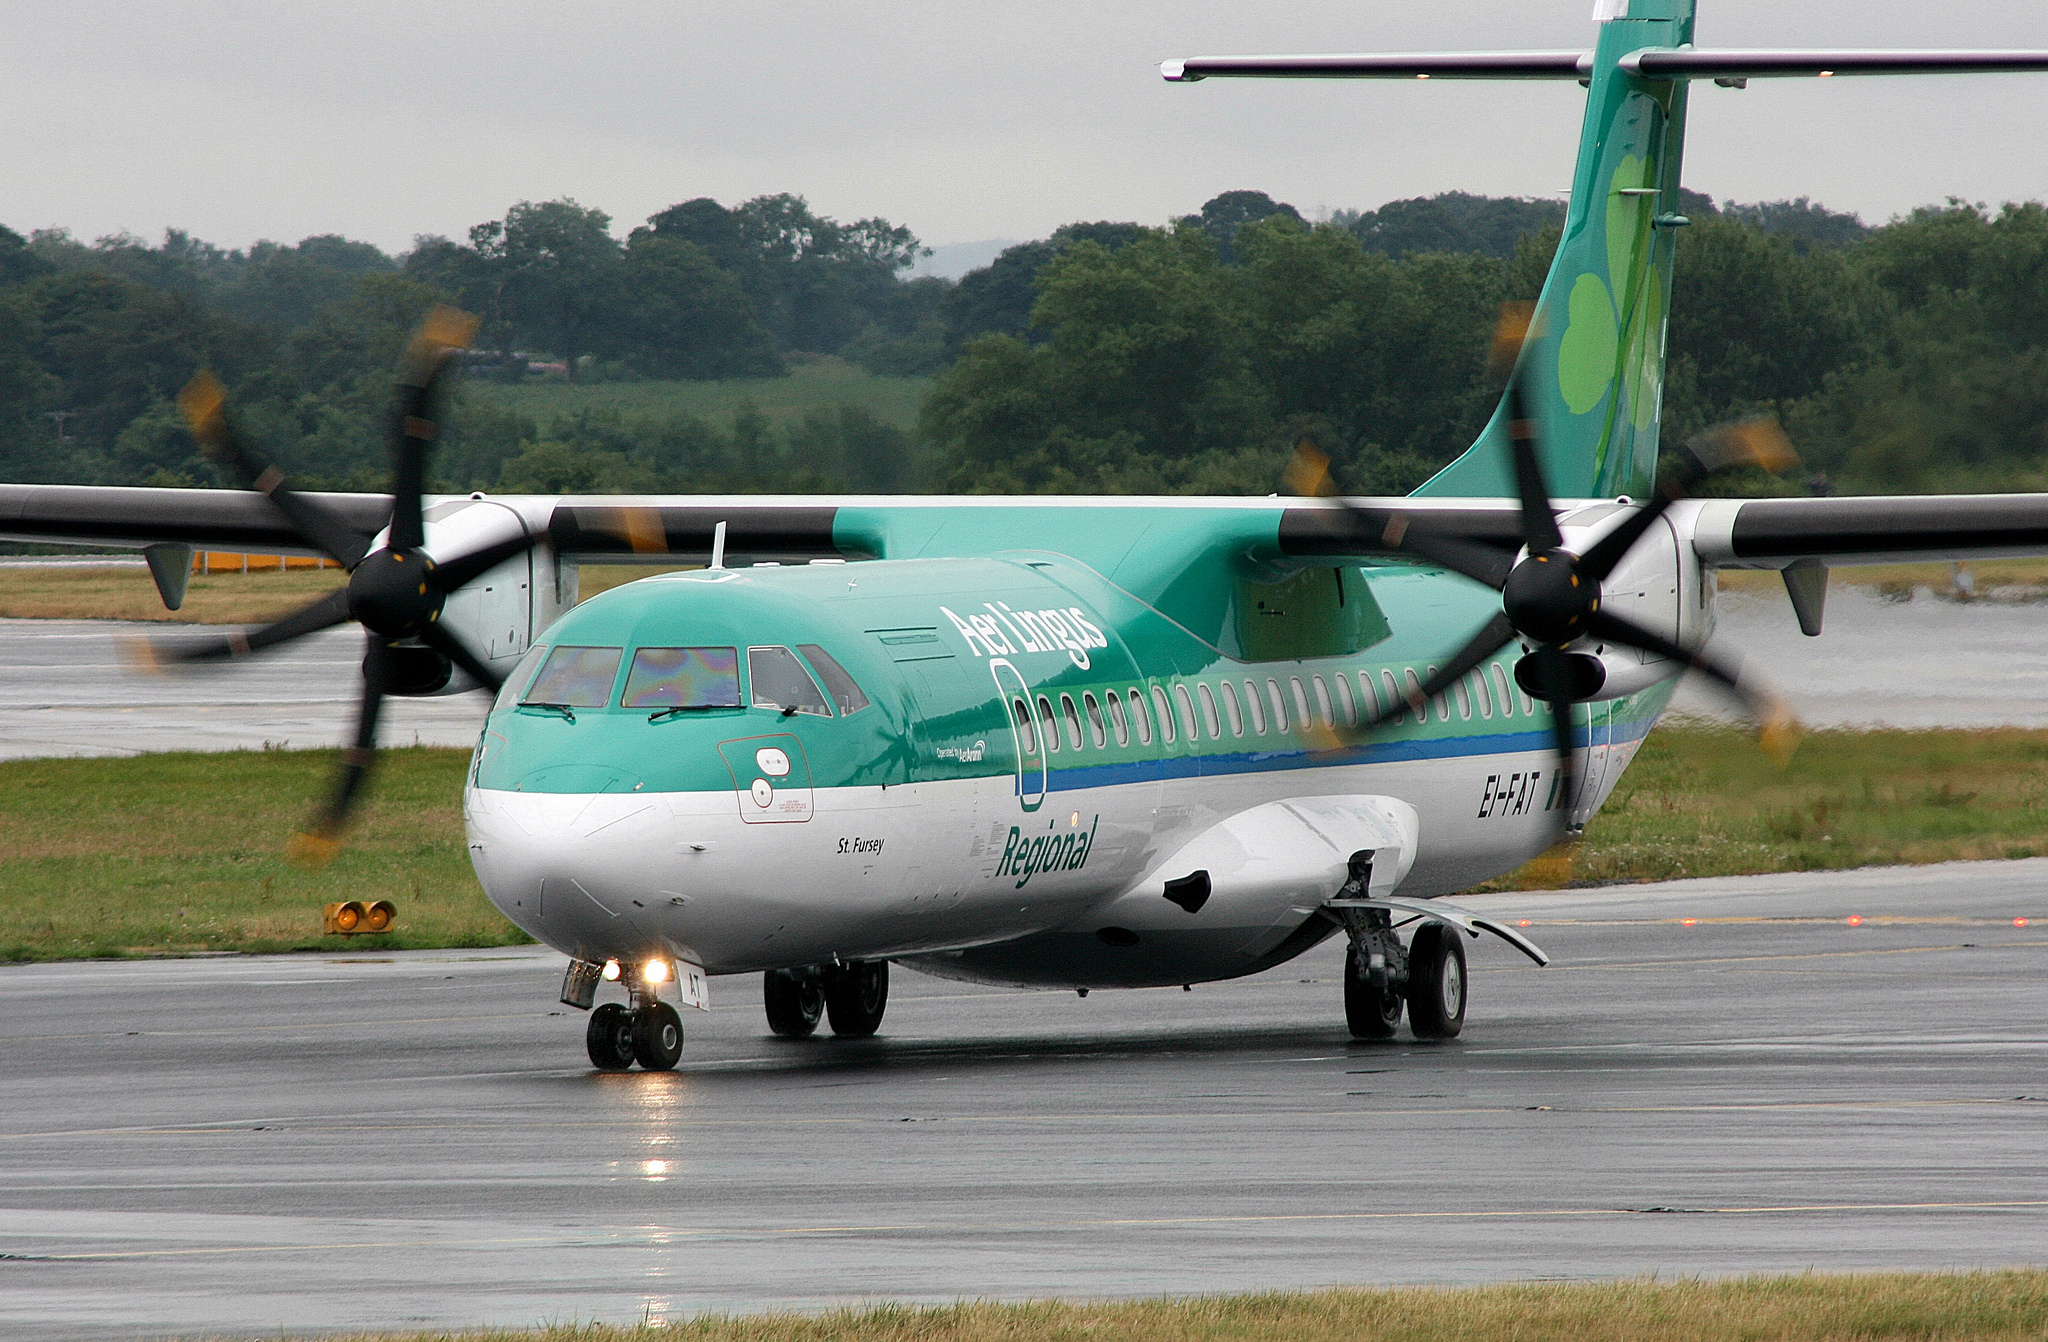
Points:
x=855 y=996
x=1436 y=982
x=1370 y=1012
x=657 y=1036
x=609 y=1037
x=794 y=1001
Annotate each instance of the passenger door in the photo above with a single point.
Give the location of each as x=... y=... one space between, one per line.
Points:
x=1031 y=762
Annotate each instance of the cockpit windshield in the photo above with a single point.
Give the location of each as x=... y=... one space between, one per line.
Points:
x=575 y=677
x=683 y=678
x=780 y=681
x=845 y=693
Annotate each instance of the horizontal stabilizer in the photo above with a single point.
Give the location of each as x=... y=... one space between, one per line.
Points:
x=1413 y=65
x=1731 y=63
x=1649 y=63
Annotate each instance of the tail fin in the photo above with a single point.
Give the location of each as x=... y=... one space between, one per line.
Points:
x=1593 y=366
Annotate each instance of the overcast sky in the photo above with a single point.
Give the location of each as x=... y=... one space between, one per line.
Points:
x=239 y=120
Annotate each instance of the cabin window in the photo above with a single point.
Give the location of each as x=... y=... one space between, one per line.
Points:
x=1117 y=719
x=780 y=681
x=1344 y=700
x=1073 y=717
x=1095 y=726
x=1047 y=728
x=1141 y=717
x=1368 y=695
x=1323 y=701
x=521 y=674
x=1257 y=706
x=1394 y=696
x=1483 y=692
x=1165 y=711
x=1021 y=711
x=1279 y=704
x=1301 y=714
x=1507 y=696
x=1189 y=723
x=1233 y=710
x=1207 y=697
x=1414 y=695
x=846 y=695
x=574 y=677
x=683 y=678
x=1464 y=694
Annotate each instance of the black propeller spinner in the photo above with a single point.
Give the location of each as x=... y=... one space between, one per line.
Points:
x=395 y=592
x=1550 y=596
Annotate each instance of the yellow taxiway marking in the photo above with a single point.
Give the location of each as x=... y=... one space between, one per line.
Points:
x=655 y=1238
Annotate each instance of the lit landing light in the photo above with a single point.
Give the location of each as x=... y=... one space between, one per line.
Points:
x=1688 y=922
x=1521 y=922
x=1825 y=74
x=655 y=971
x=1422 y=76
x=1855 y=920
x=611 y=971
x=2019 y=922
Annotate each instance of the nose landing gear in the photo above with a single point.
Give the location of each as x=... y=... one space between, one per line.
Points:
x=649 y=1033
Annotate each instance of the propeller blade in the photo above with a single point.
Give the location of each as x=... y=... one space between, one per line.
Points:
x=1539 y=523
x=1758 y=441
x=204 y=402
x=1604 y=554
x=151 y=654
x=1491 y=638
x=1555 y=679
x=456 y=651
x=1777 y=729
x=322 y=840
x=1480 y=563
x=421 y=376
x=463 y=568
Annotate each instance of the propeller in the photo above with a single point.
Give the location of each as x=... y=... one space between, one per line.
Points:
x=1551 y=596
x=395 y=591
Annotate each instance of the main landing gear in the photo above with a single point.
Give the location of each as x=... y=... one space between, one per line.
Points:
x=650 y=1033
x=852 y=996
x=1381 y=976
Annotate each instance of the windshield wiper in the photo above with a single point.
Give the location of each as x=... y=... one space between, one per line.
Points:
x=563 y=709
x=658 y=714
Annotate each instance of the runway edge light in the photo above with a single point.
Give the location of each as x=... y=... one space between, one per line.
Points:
x=353 y=917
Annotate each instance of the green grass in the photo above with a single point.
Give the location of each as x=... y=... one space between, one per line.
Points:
x=1950 y=1307
x=1704 y=801
x=820 y=384
x=173 y=853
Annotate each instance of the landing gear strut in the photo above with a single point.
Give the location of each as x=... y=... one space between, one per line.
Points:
x=1380 y=974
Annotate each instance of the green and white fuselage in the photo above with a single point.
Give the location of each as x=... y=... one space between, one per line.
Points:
x=1050 y=734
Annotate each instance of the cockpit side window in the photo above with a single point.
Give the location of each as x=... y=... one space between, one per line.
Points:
x=575 y=677
x=780 y=681
x=522 y=674
x=844 y=692
x=683 y=678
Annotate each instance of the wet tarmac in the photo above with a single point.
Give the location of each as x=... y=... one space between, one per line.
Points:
x=1714 y=1077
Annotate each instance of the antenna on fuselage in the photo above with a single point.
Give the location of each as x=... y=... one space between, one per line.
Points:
x=718 y=546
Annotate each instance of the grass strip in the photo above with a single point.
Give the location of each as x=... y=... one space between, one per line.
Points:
x=1702 y=800
x=125 y=592
x=1951 y=1307
x=182 y=852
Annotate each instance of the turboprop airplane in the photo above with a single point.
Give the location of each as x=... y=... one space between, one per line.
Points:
x=1076 y=742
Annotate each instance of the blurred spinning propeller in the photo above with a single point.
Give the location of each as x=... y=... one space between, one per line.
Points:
x=395 y=591
x=1550 y=595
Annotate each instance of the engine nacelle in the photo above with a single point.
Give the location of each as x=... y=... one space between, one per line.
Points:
x=1611 y=673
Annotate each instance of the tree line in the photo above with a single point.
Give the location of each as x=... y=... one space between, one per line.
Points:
x=1106 y=357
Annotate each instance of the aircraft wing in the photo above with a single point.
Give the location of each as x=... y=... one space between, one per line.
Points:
x=1778 y=533
x=122 y=517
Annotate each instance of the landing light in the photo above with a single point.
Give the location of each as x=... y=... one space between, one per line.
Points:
x=655 y=971
x=611 y=971
x=1688 y=922
x=1855 y=920
x=2019 y=922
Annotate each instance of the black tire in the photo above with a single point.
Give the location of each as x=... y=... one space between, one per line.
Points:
x=657 y=1037
x=795 y=1002
x=609 y=1037
x=1370 y=1012
x=856 y=994
x=1436 y=982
